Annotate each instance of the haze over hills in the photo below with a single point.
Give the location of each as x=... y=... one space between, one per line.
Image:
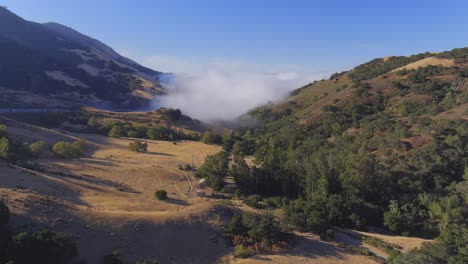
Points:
x=52 y=59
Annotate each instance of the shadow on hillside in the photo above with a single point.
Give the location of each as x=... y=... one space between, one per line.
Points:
x=177 y=201
x=313 y=247
x=158 y=153
x=87 y=179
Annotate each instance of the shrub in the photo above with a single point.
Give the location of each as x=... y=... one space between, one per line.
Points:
x=4 y=148
x=237 y=194
x=37 y=148
x=41 y=247
x=328 y=235
x=253 y=201
x=211 y=138
x=236 y=226
x=160 y=195
x=116 y=132
x=3 y=131
x=242 y=252
x=69 y=150
x=138 y=146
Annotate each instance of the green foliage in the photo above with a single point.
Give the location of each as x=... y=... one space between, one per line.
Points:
x=37 y=148
x=41 y=247
x=69 y=150
x=211 y=138
x=116 y=132
x=160 y=195
x=3 y=131
x=174 y=114
x=138 y=146
x=241 y=173
x=4 y=148
x=253 y=201
x=214 y=170
x=242 y=251
x=161 y=133
x=256 y=228
x=236 y=225
x=380 y=66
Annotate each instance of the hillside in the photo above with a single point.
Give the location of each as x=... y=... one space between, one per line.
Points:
x=54 y=61
x=383 y=145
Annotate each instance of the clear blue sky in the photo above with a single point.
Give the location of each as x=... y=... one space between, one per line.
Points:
x=313 y=35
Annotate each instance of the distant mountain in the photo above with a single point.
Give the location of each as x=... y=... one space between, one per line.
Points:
x=54 y=60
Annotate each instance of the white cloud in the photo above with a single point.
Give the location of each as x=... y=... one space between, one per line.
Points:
x=224 y=90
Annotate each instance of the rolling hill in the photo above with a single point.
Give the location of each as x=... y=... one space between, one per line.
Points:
x=54 y=61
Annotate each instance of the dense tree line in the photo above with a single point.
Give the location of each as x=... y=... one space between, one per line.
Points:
x=117 y=129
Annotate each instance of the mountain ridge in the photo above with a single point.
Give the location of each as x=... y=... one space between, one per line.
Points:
x=51 y=59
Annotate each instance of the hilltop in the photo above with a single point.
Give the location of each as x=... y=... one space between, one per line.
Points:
x=51 y=64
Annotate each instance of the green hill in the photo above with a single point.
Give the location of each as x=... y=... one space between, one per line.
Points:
x=372 y=147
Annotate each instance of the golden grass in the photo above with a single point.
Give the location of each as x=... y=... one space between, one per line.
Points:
x=426 y=62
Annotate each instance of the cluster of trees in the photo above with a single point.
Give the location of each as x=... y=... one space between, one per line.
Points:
x=214 y=170
x=68 y=150
x=256 y=233
x=40 y=247
x=117 y=129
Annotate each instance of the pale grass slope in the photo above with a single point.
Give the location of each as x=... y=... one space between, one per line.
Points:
x=430 y=61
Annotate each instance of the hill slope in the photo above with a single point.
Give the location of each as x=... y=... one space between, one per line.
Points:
x=372 y=147
x=52 y=59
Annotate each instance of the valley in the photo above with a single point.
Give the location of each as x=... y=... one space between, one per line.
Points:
x=367 y=165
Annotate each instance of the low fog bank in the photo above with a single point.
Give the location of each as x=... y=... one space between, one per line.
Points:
x=221 y=95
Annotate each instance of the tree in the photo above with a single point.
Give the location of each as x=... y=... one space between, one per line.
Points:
x=160 y=194
x=3 y=131
x=214 y=169
x=393 y=217
x=241 y=173
x=138 y=146
x=4 y=148
x=69 y=150
x=211 y=138
x=116 y=132
x=37 y=148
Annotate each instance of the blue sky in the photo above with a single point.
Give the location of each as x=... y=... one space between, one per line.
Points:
x=308 y=36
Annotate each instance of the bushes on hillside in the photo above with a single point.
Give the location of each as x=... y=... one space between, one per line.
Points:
x=69 y=150
x=3 y=131
x=116 y=132
x=42 y=247
x=254 y=233
x=37 y=148
x=138 y=146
